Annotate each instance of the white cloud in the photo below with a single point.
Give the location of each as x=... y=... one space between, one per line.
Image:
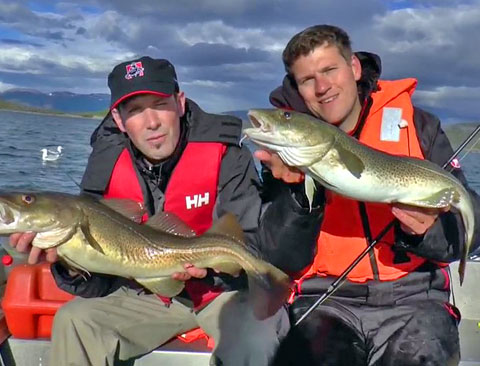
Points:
x=4 y=86
x=73 y=48
x=459 y=102
x=218 y=32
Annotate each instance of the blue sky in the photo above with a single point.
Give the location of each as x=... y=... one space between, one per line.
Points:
x=228 y=53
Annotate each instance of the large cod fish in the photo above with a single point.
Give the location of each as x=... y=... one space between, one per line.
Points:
x=93 y=237
x=342 y=164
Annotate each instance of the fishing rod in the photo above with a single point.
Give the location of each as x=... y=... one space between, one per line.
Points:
x=335 y=285
x=462 y=146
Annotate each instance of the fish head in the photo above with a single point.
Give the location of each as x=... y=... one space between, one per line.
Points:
x=298 y=138
x=41 y=213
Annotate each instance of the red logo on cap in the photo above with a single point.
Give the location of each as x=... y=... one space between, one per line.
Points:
x=134 y=69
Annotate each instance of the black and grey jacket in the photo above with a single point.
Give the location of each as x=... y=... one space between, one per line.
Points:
x=281 y=229
x=444 y=241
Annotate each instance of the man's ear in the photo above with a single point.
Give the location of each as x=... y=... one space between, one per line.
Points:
x=356 y=67
x=117 y=118
x=180 y=99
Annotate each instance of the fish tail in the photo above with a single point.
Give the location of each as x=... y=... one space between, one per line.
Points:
x=465 y=207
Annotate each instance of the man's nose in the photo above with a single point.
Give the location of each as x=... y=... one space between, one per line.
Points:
x=153 y=122
x=322 y=85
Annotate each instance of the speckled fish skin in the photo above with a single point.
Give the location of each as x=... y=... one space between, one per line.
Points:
x=344 y=165
x=92 y=237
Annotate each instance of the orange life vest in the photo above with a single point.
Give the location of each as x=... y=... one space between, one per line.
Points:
x=389 y=127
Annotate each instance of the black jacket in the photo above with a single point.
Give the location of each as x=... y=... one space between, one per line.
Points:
x=280 y=229
x=444 y=241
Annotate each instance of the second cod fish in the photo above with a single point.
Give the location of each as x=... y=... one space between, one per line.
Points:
x=92 y=237
x=342 y=164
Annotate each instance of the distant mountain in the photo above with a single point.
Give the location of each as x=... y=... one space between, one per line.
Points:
x=242 y=114
x=66 y=102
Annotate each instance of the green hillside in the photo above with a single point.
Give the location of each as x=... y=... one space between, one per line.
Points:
x=98 y=115
x=17 y=107
x=457 y=133
x=23 y=108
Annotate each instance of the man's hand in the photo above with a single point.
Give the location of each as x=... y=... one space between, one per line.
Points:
x=190 y=271
x=279 y=170
x=416 y=220
x=22 y=242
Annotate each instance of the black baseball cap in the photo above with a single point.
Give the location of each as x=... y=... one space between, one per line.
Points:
x=141 y=76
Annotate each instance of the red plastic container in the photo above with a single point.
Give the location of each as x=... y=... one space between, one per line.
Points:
x=31 y=300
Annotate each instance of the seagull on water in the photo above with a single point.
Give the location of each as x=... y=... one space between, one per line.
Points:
x=51 y=155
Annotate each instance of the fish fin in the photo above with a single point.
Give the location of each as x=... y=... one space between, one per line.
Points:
x=164 y=286
x=232 y=268
x=131 y=209
x=465 y=206
x=350 y=161
x=309 y=190
x=170 y=223
x=50 y=239
x=440 y=199
x=74 y=265
x=461 y=270
x=90 y=239
x=228 y=225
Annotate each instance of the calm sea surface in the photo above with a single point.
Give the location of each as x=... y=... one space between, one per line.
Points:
x=23 y=135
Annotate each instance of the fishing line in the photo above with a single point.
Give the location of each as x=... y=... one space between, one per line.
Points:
x=335 y=285
x=462 y=146
x=470 y=148
x=72 y=179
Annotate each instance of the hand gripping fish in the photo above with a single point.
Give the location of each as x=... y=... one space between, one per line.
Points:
x=342 y=164
x=94 y=236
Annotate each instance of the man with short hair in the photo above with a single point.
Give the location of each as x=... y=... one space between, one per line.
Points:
x=159 y=148
x=393 y=308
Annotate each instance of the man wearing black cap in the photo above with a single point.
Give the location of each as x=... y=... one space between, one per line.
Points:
x=161 y=149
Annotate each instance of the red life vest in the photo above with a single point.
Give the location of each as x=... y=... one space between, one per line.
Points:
x=342 y=236
x=191 y=194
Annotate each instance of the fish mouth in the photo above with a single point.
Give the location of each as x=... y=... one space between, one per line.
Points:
x=258 y=123
x=253 y=120
x=263 y=133
x=7 y=216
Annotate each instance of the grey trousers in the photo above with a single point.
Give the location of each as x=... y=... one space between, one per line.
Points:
x=124 y=324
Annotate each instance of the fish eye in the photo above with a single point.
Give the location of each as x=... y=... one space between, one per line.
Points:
x=287 y=115
x=28 y=199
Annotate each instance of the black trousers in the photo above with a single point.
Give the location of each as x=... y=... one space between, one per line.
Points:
x=407 y=322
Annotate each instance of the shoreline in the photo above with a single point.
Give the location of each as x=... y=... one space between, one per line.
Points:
x=67 y=115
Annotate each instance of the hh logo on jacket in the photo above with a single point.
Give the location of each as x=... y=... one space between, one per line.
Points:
x=197 y=200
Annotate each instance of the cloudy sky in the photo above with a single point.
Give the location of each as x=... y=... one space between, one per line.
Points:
x=227 y=52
